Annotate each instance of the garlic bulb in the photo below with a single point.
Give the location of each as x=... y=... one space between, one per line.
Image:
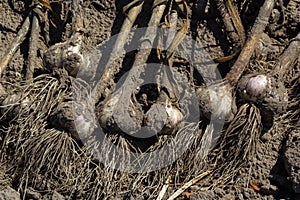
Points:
x=163 y=118
x=267 y=92
x=174 y=115
x=77 y=119
x=217 y=102
x=253 y=87
x=74 y=56
x=120 y=113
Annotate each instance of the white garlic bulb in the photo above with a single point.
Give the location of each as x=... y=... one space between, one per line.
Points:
x=267 y=92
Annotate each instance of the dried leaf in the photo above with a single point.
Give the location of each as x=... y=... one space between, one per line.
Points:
x=255 y=185
x=237 y=22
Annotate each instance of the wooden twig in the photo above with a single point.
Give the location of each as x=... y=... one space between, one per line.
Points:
x=247 y=51
x=234 y=27
x=188 y=184
x=15 y=44
x=228 y=20
x=33 y=46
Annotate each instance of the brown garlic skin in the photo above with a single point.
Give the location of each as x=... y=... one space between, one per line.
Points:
x=267 y=92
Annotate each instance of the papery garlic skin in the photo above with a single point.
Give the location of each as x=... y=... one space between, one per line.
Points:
x=163 y=118
x=252 y=87
x=267 y=92
x=74 y=56
x=174 y=115
x=216 y=102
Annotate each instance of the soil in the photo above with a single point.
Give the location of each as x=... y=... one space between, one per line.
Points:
x=271 y=169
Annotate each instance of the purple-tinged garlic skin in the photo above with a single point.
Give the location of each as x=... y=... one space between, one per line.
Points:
x=267 y=92
x=252 y=87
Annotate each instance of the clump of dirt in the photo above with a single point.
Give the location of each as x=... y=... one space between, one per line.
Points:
x=48 y=140
x=291 y=158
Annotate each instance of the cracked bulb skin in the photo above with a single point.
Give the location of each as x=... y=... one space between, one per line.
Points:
x=267 y=92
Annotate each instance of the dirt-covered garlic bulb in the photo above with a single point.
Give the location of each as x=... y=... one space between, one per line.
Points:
x=77 y=119
x=163 y=118
x=267 y=92
x=73 y=56
x=120 y=113
x=217 y=102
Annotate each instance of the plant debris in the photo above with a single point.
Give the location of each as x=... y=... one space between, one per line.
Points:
x=228 y=128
